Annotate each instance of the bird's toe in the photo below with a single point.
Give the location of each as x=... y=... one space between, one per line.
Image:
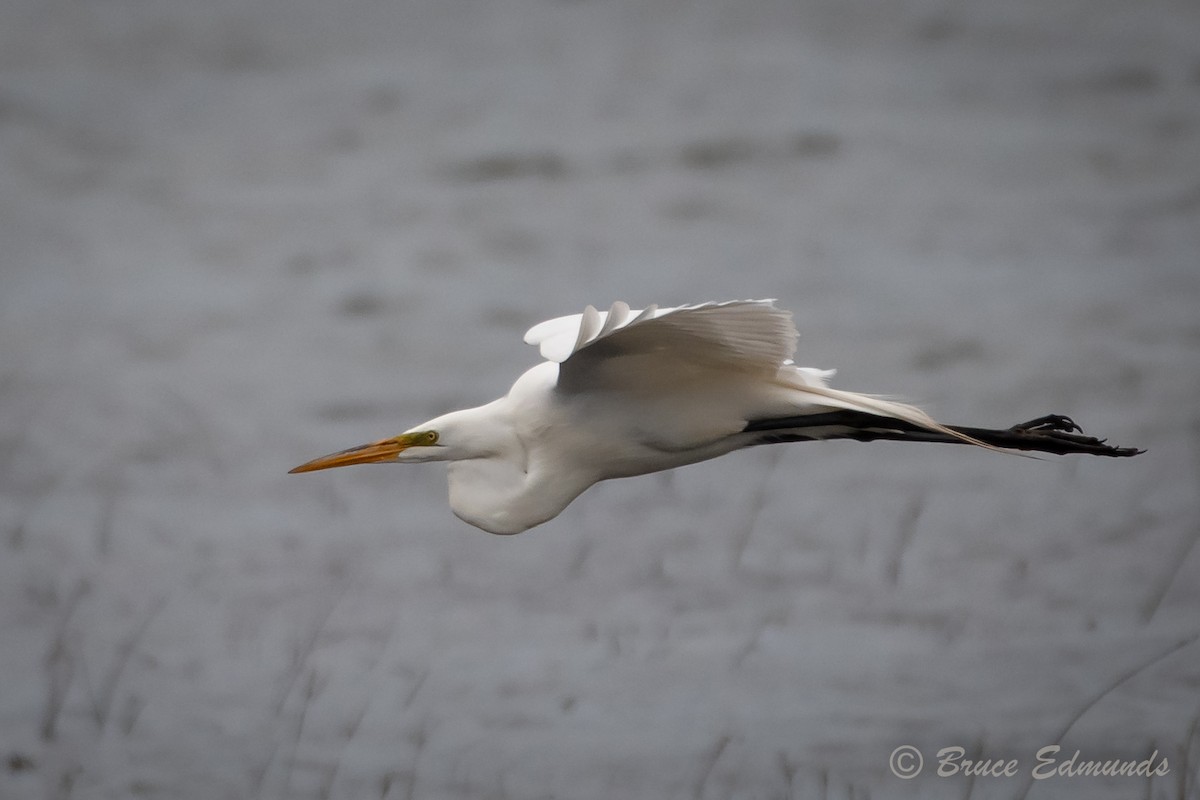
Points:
x=1050 y=422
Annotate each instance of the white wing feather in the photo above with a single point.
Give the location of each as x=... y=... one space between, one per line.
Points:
x=749 y=335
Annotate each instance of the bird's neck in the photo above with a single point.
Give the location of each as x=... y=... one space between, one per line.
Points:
x=496 y=482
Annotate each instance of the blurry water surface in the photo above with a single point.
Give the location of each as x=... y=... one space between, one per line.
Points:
x=239 y=235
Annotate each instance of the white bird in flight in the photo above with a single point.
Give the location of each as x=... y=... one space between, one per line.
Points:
x=627 y=392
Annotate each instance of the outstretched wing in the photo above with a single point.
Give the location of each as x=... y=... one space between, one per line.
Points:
x=625 y=349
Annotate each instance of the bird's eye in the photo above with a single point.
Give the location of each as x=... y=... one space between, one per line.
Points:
x=431 y=437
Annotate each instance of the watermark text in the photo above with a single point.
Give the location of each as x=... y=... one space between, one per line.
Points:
x=1047 y=762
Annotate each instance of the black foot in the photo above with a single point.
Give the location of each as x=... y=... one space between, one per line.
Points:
x=1055 y=433
x=1050 y=422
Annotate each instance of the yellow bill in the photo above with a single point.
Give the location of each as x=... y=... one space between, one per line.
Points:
x=373 y=453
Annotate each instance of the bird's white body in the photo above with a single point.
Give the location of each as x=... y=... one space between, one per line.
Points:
x=624 y=393
x=553 y=447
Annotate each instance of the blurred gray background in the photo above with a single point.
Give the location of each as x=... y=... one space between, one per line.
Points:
x=238 y=235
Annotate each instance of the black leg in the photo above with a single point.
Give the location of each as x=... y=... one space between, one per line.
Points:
x=1053 y=433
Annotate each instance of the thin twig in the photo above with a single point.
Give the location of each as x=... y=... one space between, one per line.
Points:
x=575 y=568
x=302 y=654
x=351 y=731
x=1185 y=769
x=60 y=664
x=755 y=505
x=906 y=529
x=299 y=661
x=310 y=692
x=1122 y=679
x=1152 y=604
x=710 y=763
x=356 y=722
x=789 y=772
x=110 y=492
x=416 y=687
x=976 y=755
x=102 y=700
x=420 y=738
x=1154 y=601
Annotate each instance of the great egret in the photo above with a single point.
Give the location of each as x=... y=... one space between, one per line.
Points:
x=625 y=393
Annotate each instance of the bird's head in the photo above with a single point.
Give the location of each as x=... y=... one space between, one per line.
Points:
x=412 y=446
x=470 y=433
